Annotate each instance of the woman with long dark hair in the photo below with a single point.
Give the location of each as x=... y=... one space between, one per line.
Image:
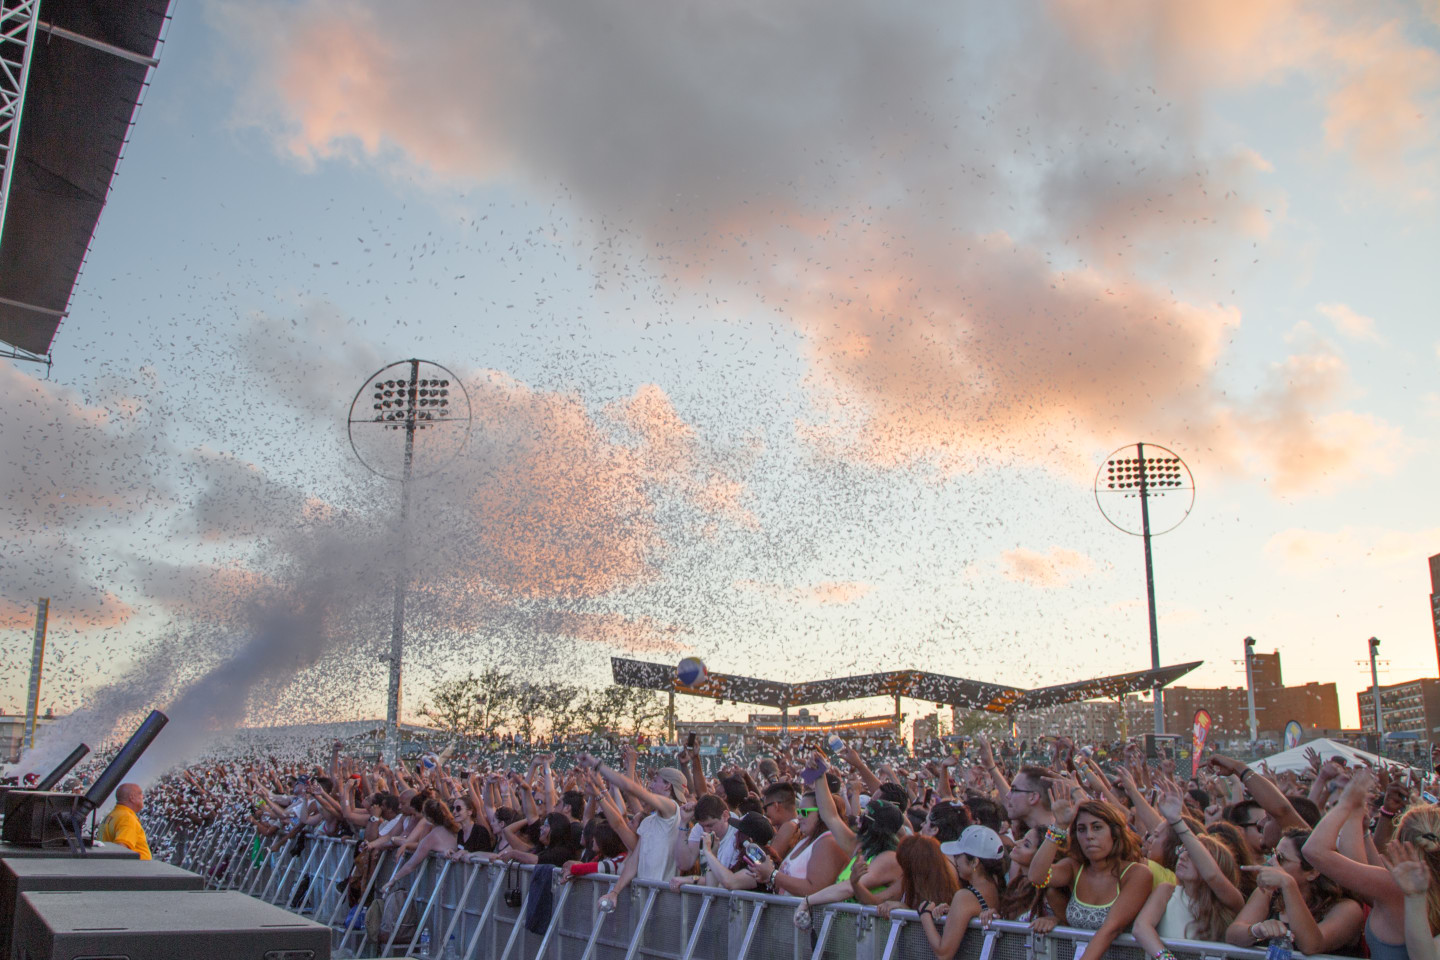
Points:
x=1103 y=866
x=1292 y=898
x=554 y=843
x=979 y=859
x=440 y=838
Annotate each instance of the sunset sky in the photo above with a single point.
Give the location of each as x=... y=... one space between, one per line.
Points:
x=794 y=336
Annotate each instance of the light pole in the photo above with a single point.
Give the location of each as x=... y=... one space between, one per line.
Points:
x=1250 y=686
x=410 y=396
x=1375 y=693
x=1135 y=475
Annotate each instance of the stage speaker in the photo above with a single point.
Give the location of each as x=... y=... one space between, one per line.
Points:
x=108 y=851
x=26 y=874
x=43 y=819
x=159 y=925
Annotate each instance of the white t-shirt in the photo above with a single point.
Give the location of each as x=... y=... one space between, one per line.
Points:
x=655 y=853
x=724 y=850
x=390 y=824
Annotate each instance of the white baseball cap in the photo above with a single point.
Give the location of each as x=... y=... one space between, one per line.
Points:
x=982 y=843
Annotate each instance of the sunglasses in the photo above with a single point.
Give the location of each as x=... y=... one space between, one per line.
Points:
x=806 y=811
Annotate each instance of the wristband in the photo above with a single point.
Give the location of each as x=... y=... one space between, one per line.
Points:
x=1248 y=773
x=1046 y=882
x=1390 y=813
x=1165 y=954
x=1056 y=835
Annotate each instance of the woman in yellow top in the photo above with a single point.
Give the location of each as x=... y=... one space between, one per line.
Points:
x=122 y=825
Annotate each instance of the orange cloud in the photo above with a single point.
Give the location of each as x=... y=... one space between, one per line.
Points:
x=95 y=610
x=1056 y=567
x=1377 y=85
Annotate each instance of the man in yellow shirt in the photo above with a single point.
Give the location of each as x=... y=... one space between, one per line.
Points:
x=122 y=826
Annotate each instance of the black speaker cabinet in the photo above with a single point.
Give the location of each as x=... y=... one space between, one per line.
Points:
x=93 y=851
x=43 y=819
x=25 y=874
x=160 y=925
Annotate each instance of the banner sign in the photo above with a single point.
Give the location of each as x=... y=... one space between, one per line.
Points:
x=1292 y=735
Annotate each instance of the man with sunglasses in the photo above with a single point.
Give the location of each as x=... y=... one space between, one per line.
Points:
x=1266 y=814
x=780 y=806
x=1027 y=801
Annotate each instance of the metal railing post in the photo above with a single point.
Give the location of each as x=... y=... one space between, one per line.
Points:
x=405 y=905
x=365 y=895
x=644 y=919
x=554 y=921
x=429 y=905
x=460 y=904
x=694 y=940
x=486 y=913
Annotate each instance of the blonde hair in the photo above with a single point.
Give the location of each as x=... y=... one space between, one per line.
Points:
x=1211 y=917
x=1421 y=826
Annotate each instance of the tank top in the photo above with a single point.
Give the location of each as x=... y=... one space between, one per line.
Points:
x=1380 y=950
x=797 y=861
x=1090 y=916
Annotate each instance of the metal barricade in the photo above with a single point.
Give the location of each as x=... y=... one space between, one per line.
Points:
x=464 y=908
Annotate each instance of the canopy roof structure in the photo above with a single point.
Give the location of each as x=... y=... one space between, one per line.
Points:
x=917 y=684
x=72 y=74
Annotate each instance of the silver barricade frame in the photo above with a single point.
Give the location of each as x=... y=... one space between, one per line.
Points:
x=653 y=922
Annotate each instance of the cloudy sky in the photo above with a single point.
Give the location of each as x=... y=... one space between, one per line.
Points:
x=793 y=335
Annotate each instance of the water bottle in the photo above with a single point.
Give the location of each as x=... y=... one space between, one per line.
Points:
x=452 y=950
x=1280 y=948
x=836 y=744
x=423 y=950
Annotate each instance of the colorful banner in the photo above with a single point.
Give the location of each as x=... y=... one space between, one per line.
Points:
x=1201 y=727
x=1292 y=735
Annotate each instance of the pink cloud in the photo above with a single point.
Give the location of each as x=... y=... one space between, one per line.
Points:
x=1056 y=567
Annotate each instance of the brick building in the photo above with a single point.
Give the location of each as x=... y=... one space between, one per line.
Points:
x=1409 y=707
x=1315 y=706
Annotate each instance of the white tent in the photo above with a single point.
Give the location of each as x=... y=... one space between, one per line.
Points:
x=1294 y=758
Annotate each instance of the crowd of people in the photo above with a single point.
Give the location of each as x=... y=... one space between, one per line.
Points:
x=1335 y=859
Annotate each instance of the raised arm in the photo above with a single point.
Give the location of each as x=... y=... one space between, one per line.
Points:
x=1271 y=800
x=665 y=806
x=852 y=756
x=1172 y=804
x=825 y=801
x=992 y=769
x=1362 y=879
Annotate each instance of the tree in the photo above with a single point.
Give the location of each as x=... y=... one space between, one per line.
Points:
x=453 y=706
x=495 y=697
x=642 y=709
x=564 y=707
x=606 y=709
x=530 y=702
x=968 y=723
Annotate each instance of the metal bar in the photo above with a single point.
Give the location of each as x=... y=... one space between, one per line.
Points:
x=600 y=918
x=824 y=935
x=317 y=875
x=402 y=578
x=486 y=912
x=6 y=301
x=1150 y=587
x=100 y=45
x=310 y=847
x=342 y=898
x=429 y=905
x=519 y=923
x=895 y=927
x=554 y=921
x=25 y=15
x=694 y=940
x=405 y=905
x=634 y=947
x=37 y=667
x=474 y=875
x=365 y=895
x=749 y=931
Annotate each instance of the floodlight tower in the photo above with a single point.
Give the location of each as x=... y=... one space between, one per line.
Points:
x=1136 y=475
x=413 y=396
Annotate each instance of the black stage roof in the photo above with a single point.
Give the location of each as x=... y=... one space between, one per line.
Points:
x=89 y=65
x=952 y=691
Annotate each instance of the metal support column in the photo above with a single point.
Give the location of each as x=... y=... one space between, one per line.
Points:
x=37 y=664
x=1150 y=588
x=1250 y=686
x=402 y=581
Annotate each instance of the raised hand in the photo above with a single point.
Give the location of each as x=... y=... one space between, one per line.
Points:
x=1061 y=805
x=1407 y=866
